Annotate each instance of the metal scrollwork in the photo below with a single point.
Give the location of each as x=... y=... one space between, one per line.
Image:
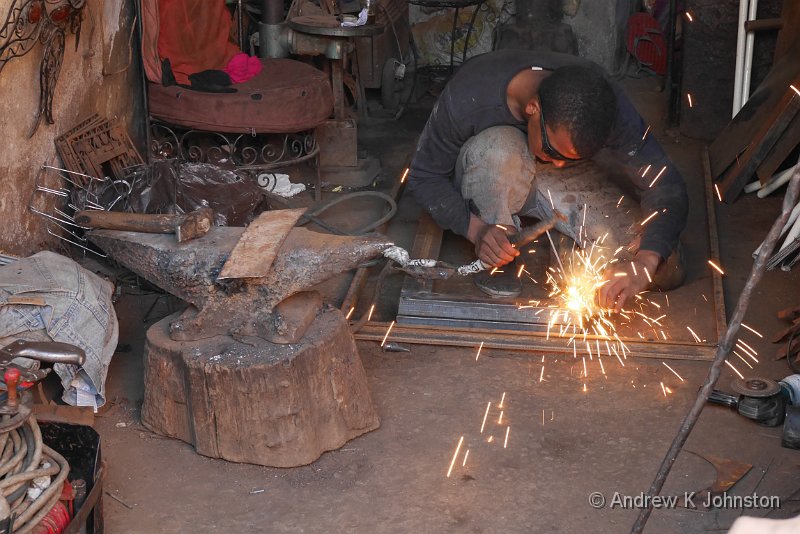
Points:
x=41 y=21
x=261 y=151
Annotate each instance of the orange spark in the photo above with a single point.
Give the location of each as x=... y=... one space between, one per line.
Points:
x=753 y=331
x=719 y=195
x=735 y=370
x=502 y=400
x=716 y=267
x=689 y=97
x=521 y=268
x=505 y=442
x=664 y=168
x=405 y=173
x=352 y=309
x=663 y=389
x=500 y=419
x=673 y=371
x=485 y=416
x=689 y=16
x=795 y=89
x=387 y=333
x=648 y=218
x=371 y=309
x=455 y=455
x=479 y=351
x=466 y=455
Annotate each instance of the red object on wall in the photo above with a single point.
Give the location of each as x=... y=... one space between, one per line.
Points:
x=645 y=41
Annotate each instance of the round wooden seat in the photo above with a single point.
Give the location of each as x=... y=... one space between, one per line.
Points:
x=286 y=96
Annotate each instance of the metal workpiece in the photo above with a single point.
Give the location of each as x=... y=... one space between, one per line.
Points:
x=44 y=351
x=280 y=41
x=242 y=306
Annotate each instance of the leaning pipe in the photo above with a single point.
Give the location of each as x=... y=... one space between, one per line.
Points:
x=723 y=350
x=741 y=34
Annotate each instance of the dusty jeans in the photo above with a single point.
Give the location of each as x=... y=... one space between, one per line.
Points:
x=497 y=172
x=77 y=310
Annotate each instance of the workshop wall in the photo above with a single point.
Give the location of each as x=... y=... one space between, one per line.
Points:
x=100 y=76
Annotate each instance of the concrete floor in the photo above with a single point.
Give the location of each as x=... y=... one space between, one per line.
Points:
x=563 y=443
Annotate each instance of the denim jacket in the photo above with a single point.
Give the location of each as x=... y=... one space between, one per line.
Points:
x=77 y=310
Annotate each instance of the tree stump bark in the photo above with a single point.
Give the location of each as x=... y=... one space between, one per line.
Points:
x=258 y=402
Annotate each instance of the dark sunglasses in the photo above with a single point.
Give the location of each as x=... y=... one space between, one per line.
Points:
x=547 y=148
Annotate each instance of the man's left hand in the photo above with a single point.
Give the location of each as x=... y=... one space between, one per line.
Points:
x=627 y=279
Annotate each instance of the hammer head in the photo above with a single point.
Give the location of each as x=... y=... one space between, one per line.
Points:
x=195 y=224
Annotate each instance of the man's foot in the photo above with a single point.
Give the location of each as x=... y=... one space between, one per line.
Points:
x=502 y=284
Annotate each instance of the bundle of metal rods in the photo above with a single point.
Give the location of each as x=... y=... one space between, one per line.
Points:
x=24 y=458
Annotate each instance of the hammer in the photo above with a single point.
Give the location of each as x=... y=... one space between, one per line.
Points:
x=185 y=227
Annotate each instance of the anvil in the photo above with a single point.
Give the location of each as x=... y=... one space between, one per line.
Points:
x=238 y=306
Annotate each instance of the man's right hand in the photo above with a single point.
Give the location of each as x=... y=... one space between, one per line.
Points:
x=491 y=242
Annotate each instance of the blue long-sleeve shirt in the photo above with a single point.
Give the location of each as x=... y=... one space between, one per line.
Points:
x=475 y=99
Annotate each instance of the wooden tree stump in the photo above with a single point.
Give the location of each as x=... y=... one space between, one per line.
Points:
x=260 y=403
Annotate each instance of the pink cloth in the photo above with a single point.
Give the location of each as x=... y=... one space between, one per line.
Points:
x=242 y=67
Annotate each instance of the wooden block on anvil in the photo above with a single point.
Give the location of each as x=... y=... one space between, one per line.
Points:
x=256 y=249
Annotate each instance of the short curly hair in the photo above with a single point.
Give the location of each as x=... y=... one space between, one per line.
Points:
x=580 y=99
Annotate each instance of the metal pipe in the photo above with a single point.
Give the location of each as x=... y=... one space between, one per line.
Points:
x=723 y=350
x=748 y=53
x=740 y=45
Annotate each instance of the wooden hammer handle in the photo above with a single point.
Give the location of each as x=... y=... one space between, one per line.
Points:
x=132 y=222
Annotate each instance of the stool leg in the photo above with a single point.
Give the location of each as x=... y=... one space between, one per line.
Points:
x=453 y=40
x=469 y=31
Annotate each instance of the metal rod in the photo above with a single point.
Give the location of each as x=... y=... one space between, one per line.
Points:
x=723 y=350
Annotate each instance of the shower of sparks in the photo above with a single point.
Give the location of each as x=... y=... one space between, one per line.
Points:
x=483 y=424
x=795 y=89
x=500 y=419
x=673 y=371
x=751 y=349
x=466 y=455
x=349 y=313
x=371 y=309
x=696 y=338
x=753 y=331
x=663 y=389
x=479 y=351
x=502 y=400
x=455 y=455
x=648 y=218
x=735 y=370
x=689 y=16
x=664 y=168
x=405 y=174
x=689 y=97
x=716 y=267
x=505 y=441
x=719 y=195
x=387 y=333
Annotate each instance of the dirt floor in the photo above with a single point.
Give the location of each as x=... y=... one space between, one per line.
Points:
x=563 y=445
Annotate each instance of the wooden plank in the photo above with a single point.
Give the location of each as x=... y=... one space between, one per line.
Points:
x=256 y=249
x=780 y=150
x=761 y=143
x=747 y=127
